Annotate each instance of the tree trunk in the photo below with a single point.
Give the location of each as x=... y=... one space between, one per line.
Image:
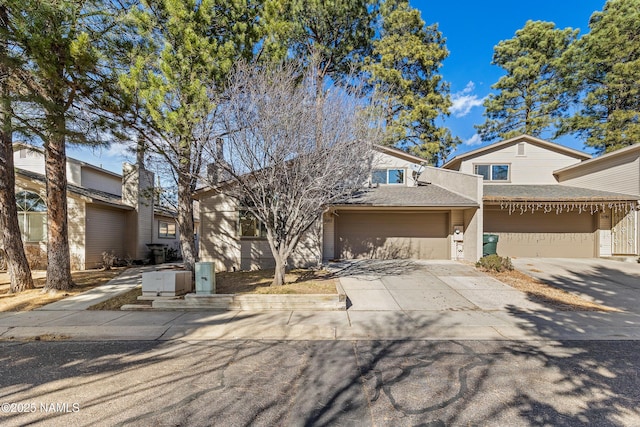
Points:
x=17 y=265
x=186 y=225
x=58 y=257
x=281 y=269
x=185 y=212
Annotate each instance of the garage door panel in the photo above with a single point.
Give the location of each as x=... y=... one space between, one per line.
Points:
x=568 y=234
x=392 y=235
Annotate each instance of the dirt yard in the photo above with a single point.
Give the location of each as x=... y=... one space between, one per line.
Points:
x=34 y=298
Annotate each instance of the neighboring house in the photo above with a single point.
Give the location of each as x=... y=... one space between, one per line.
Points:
x=619 y=170
x=546 y=200
x=407 y=210
x=106 y=211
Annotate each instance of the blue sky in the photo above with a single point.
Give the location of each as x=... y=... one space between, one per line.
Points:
x=472 y=28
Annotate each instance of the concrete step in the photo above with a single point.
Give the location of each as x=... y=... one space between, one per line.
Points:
x=288 y=302
x=333 y=302
x=195 y=302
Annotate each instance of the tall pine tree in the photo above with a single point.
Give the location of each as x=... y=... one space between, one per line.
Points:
x=531 y=97
x=404 y=68
x=186 y=49
x=606 y=66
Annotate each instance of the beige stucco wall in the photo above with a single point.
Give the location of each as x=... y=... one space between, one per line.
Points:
x=221 y=243
x=535 y=167
x=139 y=222
x=469 y=186
x=76 y=214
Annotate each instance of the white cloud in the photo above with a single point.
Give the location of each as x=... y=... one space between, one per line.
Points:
x=474 y=140
x=464 y=101
x=117 y=149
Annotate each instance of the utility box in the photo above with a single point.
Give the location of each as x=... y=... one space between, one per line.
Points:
x=205 y=278
x=166 y=283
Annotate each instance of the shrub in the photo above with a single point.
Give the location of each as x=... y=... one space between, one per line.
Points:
x=108 y=260
x=495 y=263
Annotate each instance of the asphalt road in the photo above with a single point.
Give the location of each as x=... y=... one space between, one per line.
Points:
x=384 y=383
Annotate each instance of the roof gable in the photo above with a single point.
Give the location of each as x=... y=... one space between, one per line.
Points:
x=631 y=151
x=552 y=146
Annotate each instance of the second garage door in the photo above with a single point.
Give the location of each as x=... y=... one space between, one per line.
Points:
x=566 y=235
x=393 y=235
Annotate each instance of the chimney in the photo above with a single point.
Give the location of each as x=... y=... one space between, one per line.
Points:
x=215 y=170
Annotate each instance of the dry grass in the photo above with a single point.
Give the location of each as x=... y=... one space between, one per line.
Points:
x=130 y=297
x=547 y=294
x=300 y=281
x=34 y=298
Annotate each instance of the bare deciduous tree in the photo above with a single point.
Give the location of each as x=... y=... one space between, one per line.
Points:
x=280 y=171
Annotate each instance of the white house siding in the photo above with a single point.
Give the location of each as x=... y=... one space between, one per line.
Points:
x=104 y=232
x=392 y=235
x=536 y=166
x=618 y=174
x=566 y=235
x=29 y=160
x=101 y=181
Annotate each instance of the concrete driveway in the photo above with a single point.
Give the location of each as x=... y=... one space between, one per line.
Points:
x=412 y=285
x=608 y=282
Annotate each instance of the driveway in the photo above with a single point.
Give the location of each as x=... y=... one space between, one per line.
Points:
x=411 y=285
x=608 y=282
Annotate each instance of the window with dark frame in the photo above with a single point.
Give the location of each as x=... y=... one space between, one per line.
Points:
x=388 y=176
x=166 y=230
x=250 y=227
x=492 y=172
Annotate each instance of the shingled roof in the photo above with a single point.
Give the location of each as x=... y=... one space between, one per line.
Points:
x=429 y=195
x=95 y=195
x=550 y=193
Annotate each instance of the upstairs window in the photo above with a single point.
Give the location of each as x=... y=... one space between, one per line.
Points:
x=497 y=172
x=32 y=216
x=388 y=176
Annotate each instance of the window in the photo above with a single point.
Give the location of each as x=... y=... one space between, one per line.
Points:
x=493 y=172
x=250 y=226
x=166 y=230
x=387 y=176
x=32 y=216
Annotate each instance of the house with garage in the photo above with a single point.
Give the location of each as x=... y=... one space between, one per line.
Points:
x=107 y=212
x=619 y=170
x=545 y=200
x=405 y=210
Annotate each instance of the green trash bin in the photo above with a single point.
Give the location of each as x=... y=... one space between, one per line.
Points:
x=489 y=244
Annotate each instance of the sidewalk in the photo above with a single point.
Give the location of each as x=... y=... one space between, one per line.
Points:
x=69 y=320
